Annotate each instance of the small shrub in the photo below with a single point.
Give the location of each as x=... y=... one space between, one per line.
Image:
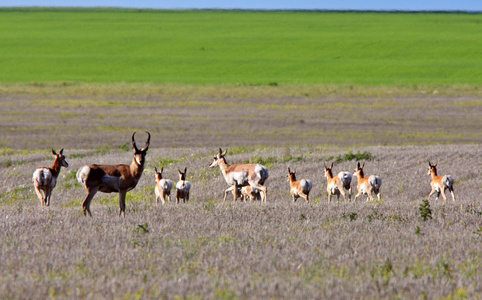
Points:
x=425 y=210
x=125 y=147
x=359 y=156
x=142 y=228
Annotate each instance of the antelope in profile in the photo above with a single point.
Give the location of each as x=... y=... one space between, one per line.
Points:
x=440 y=183
x=44 y=178
x=299 y=188
x=337 y=185
x=113 y=178
x=367 y=185
x=182 y=187
x=239 y=175
x=163 y=187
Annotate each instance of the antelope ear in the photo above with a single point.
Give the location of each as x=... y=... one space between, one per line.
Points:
x=225 y=151
x=53 y=152
x=162 y=169
x=179 y=171
x=62 y=151
x=185 y=170
x=358 y=165
x=331 y=166
x=363 y=165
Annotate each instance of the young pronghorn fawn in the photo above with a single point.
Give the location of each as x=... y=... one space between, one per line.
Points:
x=367 y=185
x=163 y=187
x=440 y=183
x=44 y=178
x=113 y=178
x=337 y=185
x=251 y=193
x=300 y=188
x=239 y=175
x=182 y=187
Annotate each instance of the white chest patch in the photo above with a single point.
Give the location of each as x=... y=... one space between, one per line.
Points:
x=437 y=187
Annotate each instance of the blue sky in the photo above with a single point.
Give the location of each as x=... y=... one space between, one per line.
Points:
x=411 y=5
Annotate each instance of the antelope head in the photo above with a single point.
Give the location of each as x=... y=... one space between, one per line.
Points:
x=291 y=175
x=218 y=157
x=158 y=174
x=432 y=169
x=60 y=158
x=359 y=170
x=140 y=155
x=328 y=170
x=182 y=175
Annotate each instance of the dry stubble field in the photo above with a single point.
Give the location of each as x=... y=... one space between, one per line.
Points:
x=210 y=249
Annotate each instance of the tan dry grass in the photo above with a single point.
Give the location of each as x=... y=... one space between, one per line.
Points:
x=211 y=249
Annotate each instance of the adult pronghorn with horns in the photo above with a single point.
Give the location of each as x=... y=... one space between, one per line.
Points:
x=113 y=178
x=239 y=175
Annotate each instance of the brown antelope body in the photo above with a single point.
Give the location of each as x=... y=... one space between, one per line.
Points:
x=113 y=178
x=163 y=188
x=44 y=178
x=182 y=187
x=300 y=188
x=440 y=183
x=239 y=175
x=367 y=185
x=337 y=185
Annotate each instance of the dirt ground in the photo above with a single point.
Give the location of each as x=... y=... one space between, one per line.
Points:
x=83 y=123
x=212 y=249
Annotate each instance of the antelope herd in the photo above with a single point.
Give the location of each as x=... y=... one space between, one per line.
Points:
x=244 y=180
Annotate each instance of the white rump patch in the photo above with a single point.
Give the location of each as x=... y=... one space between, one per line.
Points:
x=448 y=181
x=42 y=177
x=183 y=186
x=345 y=178
x=82 y=174
x=165 y=184
x=306 y=185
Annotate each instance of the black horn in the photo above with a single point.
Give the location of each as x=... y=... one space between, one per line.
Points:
x=147 y=142
x=134 y=142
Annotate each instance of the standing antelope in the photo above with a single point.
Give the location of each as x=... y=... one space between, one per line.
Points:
x=367 y=185
x=239 y=175
x=44 y=178
x=182 y=187
x=113 y=178
x=440 y=183
x=163 y=187
x=337 y=185
x=299 y=188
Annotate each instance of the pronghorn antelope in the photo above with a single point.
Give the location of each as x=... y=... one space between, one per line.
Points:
x=239 y=175
x=182 y=187
x=163 y=187
x=44 y=178
x=337 y=185
x=440 y=183
x=367 y=185
x=300 y=188
x=251 y=193
x=113 y=178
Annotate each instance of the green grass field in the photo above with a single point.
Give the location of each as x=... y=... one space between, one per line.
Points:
x=240 y=48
